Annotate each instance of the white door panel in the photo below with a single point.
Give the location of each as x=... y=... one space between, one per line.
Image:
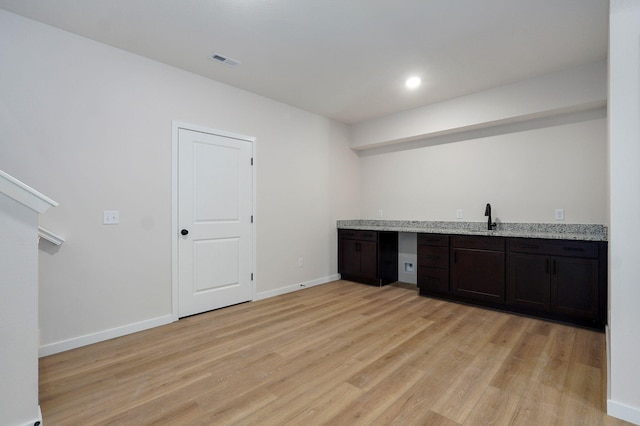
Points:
x=216 y=178
x=214 y=209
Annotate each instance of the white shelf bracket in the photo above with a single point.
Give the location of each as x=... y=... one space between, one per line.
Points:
x=50 y=236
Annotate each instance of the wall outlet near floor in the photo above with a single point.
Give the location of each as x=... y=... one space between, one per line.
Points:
x=559 y=214
x=301 y=262
x=379 y=213
x=409 y=268
x=459 y=214
x=110 y=217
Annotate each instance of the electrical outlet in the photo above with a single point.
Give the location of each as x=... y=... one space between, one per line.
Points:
x=559 y=214
x=459 y=214
x=409 y=268
x=379 y=213
x=110 y=217
x=301 y=262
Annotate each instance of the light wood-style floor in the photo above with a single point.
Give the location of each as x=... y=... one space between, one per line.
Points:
x=339 y=354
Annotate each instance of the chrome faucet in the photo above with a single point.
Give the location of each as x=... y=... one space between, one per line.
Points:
x=487 y=212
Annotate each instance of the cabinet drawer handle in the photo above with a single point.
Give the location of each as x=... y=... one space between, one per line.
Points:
x=432 y=278
x=555 y=268
x=433 y=257
x=529 y=246
x=573 y=249
x=548 y=265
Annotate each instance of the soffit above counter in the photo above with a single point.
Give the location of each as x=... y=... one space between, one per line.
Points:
x=563 y=93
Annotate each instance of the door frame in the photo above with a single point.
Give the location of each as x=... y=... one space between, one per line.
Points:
x=175 y=128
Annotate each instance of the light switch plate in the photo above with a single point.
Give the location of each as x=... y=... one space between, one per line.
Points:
x=111 y=217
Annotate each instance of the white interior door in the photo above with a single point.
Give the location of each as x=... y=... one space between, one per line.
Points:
x=215 y=241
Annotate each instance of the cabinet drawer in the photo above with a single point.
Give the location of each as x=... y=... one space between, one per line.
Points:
x=584 y=249
x=440 y=240
x=478 y=242
x=432 y=279
x=528 y=245
x=358 y=235
x=433 y=257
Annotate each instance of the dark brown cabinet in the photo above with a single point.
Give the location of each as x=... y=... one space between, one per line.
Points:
x=360 y=258
x=562 y=279
x=369 y=257
x=433 y=263
x=478 y=267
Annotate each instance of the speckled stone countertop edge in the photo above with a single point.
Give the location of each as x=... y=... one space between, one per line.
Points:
x=551 y=231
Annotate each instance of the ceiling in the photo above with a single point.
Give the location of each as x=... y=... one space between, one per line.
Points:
x=345 y=59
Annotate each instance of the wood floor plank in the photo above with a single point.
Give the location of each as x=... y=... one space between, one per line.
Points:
x=298 y=391
x=553 y=363
x=434 y=419
x=398 y=348
x=410 y=408
x=339 y=353
x=365 y=409
x=583 y=384
x=461 y=397
x=511 y=331
x=539 y=406
x=185 y=414
x=588 y=348
x=495 y=407
x=327 y=406
x=514 y=373
x=351 y=320
x=486 y=326
x=232 y=408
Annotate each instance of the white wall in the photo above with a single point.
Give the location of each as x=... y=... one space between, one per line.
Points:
x=18 y=313
x=624 y=251
x=91 y=126
x=525 y=175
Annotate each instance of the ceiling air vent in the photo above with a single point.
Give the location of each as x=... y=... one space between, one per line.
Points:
x=224 y=59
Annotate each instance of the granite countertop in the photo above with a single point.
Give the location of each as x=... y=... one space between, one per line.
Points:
x=552 y=231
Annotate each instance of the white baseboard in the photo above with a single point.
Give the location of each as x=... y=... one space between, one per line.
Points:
x=623 y=412
x=88 y=339
x=296 y=287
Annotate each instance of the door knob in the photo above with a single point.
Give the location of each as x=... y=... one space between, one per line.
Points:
x=184 y=232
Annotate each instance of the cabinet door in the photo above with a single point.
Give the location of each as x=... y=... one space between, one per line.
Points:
x=478 y=274
x=574 y=287
x=349 y=257
x=358 y=259
x=368 y=251
x=528 y=281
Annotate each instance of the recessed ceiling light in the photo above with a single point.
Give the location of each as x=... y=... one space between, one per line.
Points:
x=413 y=82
